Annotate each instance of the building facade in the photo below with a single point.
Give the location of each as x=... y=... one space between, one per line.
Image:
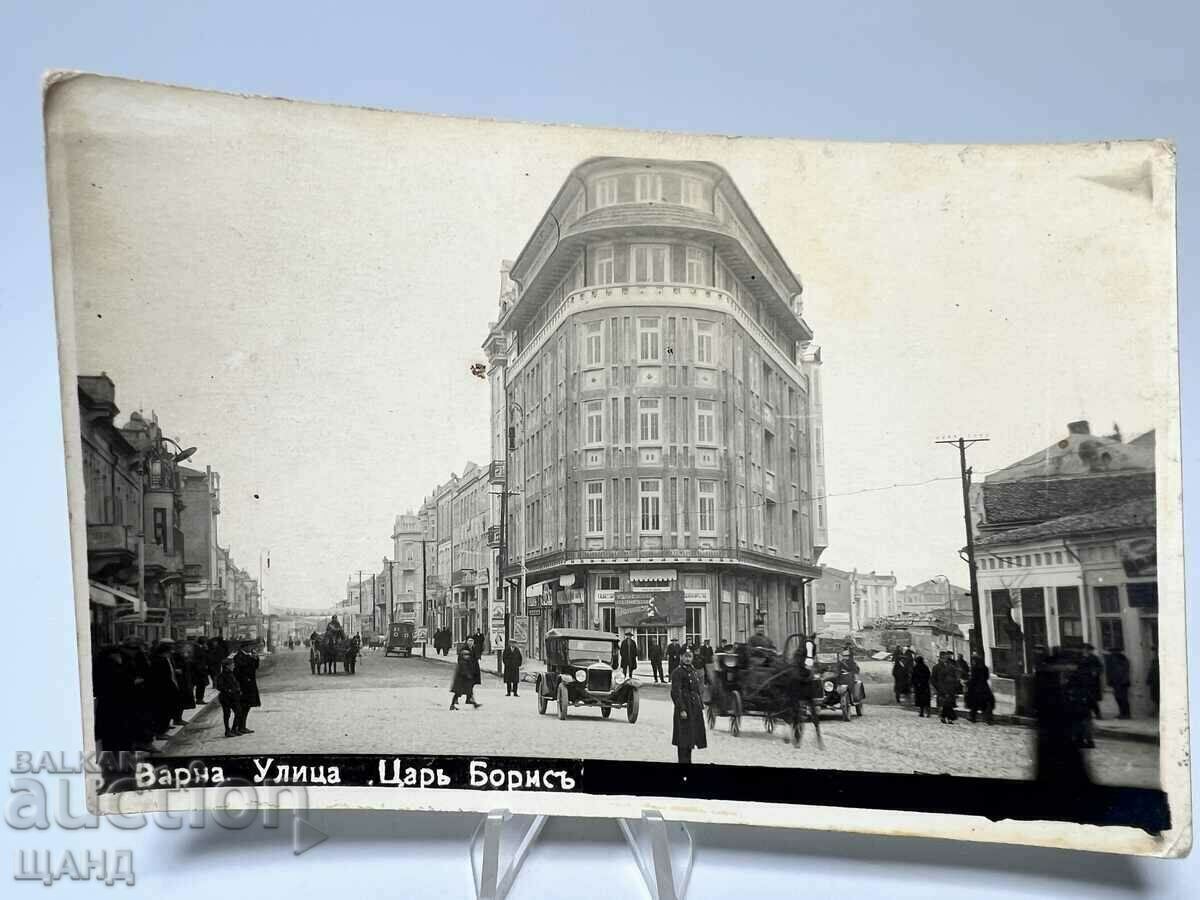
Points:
x=1066 y=553
x=832 y=608
x=469 y=558
x=409 y=562
x=874 y=597
x=656 y=405
x=201 y=493
x=932 y=594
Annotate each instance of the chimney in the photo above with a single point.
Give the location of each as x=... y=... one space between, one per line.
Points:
x=1080 y=427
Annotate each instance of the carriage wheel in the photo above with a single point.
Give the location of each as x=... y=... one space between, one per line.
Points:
x=735 y=714
x=846 y=707
x=769 y=724
x=631 y=709
x=858 y=709
x=312 y=665
x=710 y=713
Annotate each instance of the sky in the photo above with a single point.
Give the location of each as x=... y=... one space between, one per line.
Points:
x=299 y=291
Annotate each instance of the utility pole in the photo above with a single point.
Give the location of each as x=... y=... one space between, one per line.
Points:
x=360 y=593
x=424 y=600
x=391 y=564
x=965 y=477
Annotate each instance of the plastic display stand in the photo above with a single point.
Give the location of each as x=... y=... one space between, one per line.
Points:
x=663 y=850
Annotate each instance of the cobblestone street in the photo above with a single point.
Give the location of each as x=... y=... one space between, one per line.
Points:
x=396 y=705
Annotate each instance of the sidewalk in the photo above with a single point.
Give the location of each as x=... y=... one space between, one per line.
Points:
x=266 y=663
x=1143 y=729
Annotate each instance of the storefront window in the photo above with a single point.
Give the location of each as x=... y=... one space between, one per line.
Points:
x=694 y=627
x=1070 y=622
x=645 y=636
x=1108 y=618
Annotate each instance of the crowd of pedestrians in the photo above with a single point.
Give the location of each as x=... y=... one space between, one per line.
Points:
x=950 y=677
x=140 y=691
x=657 y=652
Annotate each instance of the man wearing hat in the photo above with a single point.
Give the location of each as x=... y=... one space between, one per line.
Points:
x=629 y=655
x=1091 y=672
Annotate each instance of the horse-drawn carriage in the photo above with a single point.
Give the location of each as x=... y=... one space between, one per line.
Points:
x=761 y=681
x=331 y=649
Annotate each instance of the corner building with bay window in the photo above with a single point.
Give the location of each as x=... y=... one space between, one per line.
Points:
x=656 y=411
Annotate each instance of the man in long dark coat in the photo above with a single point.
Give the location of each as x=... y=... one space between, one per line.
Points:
x=980 y=698
x=674 y=656
x=1116 y=673
x=687 y=731
x=946 y=683
x=466 y=675
x=512 y=660
x=163 y=688
x=1091 y=672
x=629 y=655
x=654 y=650
x=706 y=659
x=901 y=676
x=200 y=668
x=245 y=667
x=921 y=678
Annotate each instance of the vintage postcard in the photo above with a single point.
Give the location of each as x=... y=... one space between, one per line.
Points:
x=442 y=464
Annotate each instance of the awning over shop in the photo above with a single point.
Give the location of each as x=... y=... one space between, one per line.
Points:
x=567 y=580
x=104 y=595
x=653 y=576
x=539 y=587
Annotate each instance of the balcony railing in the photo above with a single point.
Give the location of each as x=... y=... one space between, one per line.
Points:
x=111 y=539
x=672 y=554
x=632 y=294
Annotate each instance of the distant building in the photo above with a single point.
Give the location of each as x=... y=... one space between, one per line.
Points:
x=411 y=560
x=1066 y=552
x=201 y=496
x=935 y=593
x=874 y=597
x=831 y=602
x=469 y=557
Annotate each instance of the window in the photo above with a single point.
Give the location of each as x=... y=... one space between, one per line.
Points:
x=649 y=188
x=650 y=494
x=593 y=344
x=693 y=630
x=692 y=193
x=1070 y=623
x=610 y=582
x=650 y=263
x=694 y=268
x=1112 y=635
x=1108 y=601
x=769 y=451
x=769 y=518
x=1001 y=620
x=726 y=281
x=649 y=340
x=606 y=191
x=1033 y=617
x=708 y=507
x=594 y=421
x=160 y=527
x=608 y=619
x=706 y=422
x=1142 y=595
x=754 y=373
x=706 y=344
x=649 y=415
x=595 y=507
x=605 y=265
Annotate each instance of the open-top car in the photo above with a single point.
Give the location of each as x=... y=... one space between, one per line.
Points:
x=581 y=670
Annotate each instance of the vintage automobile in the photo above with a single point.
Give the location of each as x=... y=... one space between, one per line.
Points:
x=581 y=670
x=400 y=639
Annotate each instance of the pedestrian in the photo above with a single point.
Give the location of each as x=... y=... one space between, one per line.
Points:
x=901 y=677
x=200 y=669
x=945 y=682
x=512 y=668
x=654 y=650
x=707 y=659
x=181 y=658
x=687 y=732
x=674 y=656
x=921 y=678
x=245 y=667
x=112 y=683
x=979 y=692
x=466 y=675
x=163 y=689
x=139 y=706
x=964 y=668
x=629 y=655
x=806 y=695
x=1152 y=681
x=1116 y=672
x=1079 y=692
x=1091 y=671
x=1059 y=762
x=229 y=692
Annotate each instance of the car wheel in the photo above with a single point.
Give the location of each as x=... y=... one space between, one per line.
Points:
x=542 y=699
x=631 y=709
x=564 y=700
x=605 y=712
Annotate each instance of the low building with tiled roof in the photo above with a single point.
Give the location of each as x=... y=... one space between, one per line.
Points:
x=1066 y=555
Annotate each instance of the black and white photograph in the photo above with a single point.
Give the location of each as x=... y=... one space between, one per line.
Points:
x=764 y=481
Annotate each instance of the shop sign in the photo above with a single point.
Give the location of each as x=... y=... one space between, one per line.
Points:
x=640 y=608
x=695 y=595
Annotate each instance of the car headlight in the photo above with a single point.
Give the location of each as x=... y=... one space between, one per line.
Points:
x=580 y=676
x=829 y=686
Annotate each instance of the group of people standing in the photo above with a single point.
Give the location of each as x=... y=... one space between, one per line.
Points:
x=443 y=641
x=141 y=692
x=912 y=677
x=628 y=656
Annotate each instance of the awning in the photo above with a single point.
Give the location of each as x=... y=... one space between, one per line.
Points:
x=104 y=595
x=653 y=576
x=539 y=587
x=567 y=580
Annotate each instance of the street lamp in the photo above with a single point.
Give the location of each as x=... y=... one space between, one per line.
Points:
x=182 y=454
